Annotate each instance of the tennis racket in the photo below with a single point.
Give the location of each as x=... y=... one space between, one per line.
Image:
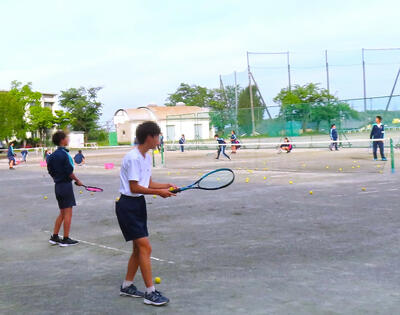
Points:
x=213 y=180
x=91 y=188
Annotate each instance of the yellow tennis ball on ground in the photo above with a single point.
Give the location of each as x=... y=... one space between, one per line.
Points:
x=154 y=196
x=327 y=166
x=381 y=172
x=358 y=166
x=363 y=189
x=311 y=192
x=45 y=197
x=265 y=177
x=157 y=280
x=169 y=173
x=179 y=173
x=247 y=179
x=290 y=182
x=81 y=192
x=352 y=167
x=117 y=199
x=378 y=166
x=265 y=169
x=340 y=169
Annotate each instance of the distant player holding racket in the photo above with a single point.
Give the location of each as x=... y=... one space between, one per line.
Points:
x=221 y=147
x=61 y=168
x=135 y=182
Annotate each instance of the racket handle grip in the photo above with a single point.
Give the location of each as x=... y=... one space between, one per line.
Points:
x=175 y=190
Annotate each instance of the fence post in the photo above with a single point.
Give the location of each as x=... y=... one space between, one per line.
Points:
x=162 y=154
x=392 y=155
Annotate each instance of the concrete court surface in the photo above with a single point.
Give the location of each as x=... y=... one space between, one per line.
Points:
x=259 y=247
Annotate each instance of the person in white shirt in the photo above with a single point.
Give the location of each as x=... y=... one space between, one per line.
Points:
x=135 y=182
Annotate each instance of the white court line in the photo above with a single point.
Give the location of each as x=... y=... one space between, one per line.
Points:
x=116 y=249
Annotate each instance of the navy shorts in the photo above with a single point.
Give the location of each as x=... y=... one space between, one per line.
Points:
x=132 y=217
x=11 y=158
x=65 y=195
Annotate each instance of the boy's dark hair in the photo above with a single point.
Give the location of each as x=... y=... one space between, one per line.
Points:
x=332 y=125
x=79 y=151
x=379 y=117
x=216 y=136
x=58 y=137
x=148 y=128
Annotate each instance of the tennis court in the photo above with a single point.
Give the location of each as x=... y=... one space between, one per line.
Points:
x=309 y=232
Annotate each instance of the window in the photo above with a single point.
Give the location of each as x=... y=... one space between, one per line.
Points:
x=123 y=132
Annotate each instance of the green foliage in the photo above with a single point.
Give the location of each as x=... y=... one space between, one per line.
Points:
x=98 y=135
x=12 y=117
x=62 y=119
x=310 y=103
x=41 y=119
x=83 y=107
x=244 y=111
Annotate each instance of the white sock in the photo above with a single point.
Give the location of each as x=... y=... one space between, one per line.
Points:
x=150 y=289
x=126 y=284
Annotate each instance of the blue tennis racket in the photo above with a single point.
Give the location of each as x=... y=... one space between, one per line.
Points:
x=213 y=180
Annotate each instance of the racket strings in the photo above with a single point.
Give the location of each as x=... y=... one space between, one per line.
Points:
x=217 y=180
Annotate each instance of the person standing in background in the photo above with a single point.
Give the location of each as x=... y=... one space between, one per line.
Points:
x=378 y=132
x=11 y=156
x=182 y=141
x=334 y=136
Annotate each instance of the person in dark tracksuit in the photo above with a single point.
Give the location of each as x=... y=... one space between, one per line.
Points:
x=182 y=141
x=221 y=147
x=11 y=156
x=378 y=132
x=61 y=168
x=334 y=136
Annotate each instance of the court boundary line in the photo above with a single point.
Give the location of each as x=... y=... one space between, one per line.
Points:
x=115 y=249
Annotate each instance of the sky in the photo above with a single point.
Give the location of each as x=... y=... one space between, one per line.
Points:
x=140 y=51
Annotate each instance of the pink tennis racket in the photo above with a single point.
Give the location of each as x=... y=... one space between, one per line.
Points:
x=92 y=188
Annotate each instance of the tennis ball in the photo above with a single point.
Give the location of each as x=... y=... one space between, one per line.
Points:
x=340 y=169
x=354 y=161
x=381 y=172
x=311 y=192
x=179 y=173
x=358 y=166
x=81 y=192
x=327 y=166
x=169 y=173
x=157 y=280
x=199 y=173
x=363 y=189
x=265 y=177
x=45 y=197
x=218 y=178
x=304 y=165
x=378 y=166
x=290 y=182
x=353 y=167
x=265 y=168
x=117 y=199
x=247 y=179
x=154 y=196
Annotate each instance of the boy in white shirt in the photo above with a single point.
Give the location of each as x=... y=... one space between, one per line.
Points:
x=131 y=211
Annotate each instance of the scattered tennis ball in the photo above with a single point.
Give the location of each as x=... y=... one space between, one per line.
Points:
x=381 y=172
x=179 y=173
x=304 y=165
x=154 y=196
x=81 y=192
x=311 y=192
x=290 y=182
x=378 y=166
x=265 y=168
x=199 y=173
x=363 y=189
x=218 y=178
x=45 y=197
x=117 y=199
x=157 y=280
x=354 y=161
x=247 y=179
x=327 y=166
x=340 y=169
x=169 y=173
x=353 y=166
x=264 y=177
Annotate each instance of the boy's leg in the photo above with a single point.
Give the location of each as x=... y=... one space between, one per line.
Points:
x=381 y=149
x=374 y=149
x=143 y=244
x=223 y=152
x=218 y=152
x=67 y=220
x=133 y=263
x=59 y=221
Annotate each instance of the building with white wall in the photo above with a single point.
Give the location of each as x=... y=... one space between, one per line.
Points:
x=192 y=121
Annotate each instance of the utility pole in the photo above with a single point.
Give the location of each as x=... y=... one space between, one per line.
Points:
x=327 y=71
x=253 y=126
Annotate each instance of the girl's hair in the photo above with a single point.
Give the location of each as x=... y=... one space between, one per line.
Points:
x=332 y=125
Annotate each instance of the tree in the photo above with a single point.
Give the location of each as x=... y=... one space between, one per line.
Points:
x=12 y=117
x=62 y=119
x=41 y=119
x=244 y=111
x=311 y=103
x=83 y=106
x=192 y=95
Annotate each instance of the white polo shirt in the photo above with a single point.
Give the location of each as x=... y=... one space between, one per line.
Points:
x=134 y=167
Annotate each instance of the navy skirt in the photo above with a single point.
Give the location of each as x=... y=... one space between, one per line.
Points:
x=65 y=195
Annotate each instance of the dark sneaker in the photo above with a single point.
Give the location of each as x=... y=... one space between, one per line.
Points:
x=55 y=240
x=384 y=159
x=66 y=241
x=131 y=291
x=155 y=298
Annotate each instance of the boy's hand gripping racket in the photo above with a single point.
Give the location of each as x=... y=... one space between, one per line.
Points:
x=91 y=188
x=213 y=180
